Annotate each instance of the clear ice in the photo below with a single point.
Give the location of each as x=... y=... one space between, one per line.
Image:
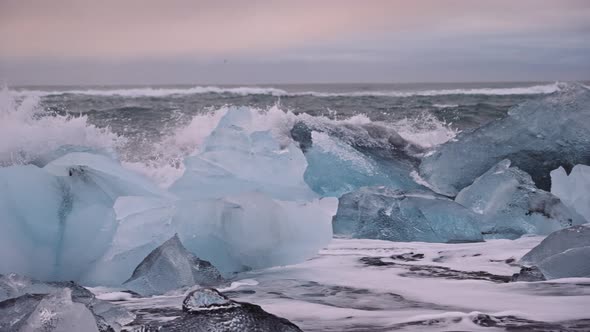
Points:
x=562 y=254
x=538 y=136
x=509 y=205
x=387 y=214
x=344 y=158
x=170 y=267
x=573 y=190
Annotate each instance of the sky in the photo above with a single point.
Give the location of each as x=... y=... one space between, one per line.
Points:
x=68 y=42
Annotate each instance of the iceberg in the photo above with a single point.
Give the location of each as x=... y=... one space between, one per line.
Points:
x=538 y=136
x=562 y=254
x=234 y=158
x=209 y=310
x=387 y=214
x=573 y=190
x=170 y=267
x=510 y=205
x=342 y=159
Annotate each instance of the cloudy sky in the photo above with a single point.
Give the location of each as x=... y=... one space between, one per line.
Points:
x=299 y=41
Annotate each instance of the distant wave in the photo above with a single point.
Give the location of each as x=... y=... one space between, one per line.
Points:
x=244 y=91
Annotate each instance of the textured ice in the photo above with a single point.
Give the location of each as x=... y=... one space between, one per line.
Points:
x=170 y=267
x=538 y=136
x=208 y=310
x=235 y=233
x=529 y=274
x=344 y=158
x=565 y=253
x=107 y=315
x=387 y=214
x=56 y=312
x=237 y=158
x=510 y=205
x=573 y=190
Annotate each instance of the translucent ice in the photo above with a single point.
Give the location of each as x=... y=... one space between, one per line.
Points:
x=235 y=158
x=344 y=158
x=573 y=190
x=235 y=233
x=169 y=267
x=57 y=313
x=109 y=315
x=565 y=253
x=538 y=137
x=510 y=205
x=387 y=214
x=72 y=199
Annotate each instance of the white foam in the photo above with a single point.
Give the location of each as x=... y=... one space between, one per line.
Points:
x=425 y=130
x=246 y=90
x=26 y=131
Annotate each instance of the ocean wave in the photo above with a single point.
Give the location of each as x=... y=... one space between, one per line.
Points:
x=27 y=132
x=245 y=91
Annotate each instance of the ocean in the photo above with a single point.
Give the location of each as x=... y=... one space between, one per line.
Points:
x=153 y=128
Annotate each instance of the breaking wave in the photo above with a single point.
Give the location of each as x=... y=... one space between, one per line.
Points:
x=244 y=91
x=28 y=132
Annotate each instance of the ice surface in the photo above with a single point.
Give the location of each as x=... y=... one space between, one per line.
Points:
x=573 y=190
x=563 y=254
x=510 y=205
x=29 y=237
x=235 y=158
x=387 y=214
x=170 y=267
x=73 y=200
x=209 y=310
x=344 y=158
x=571 y=263
x=538 y=136
x=107 y=314
x=558 y=242
x=57 y=313
x=238 y=232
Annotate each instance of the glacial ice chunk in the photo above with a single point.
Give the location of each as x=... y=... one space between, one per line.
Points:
x=240 y=232
x=30 y=237
x=57 y=312
x=13 y=286
x=565 y=253
x=73 y=199
x=573 y=190
x=388 y=214
x=170 y=267
x=344 y=158
x=510 y=205
x=234 y=159
x=538 y=136
x=571 y=263
x=208 y=310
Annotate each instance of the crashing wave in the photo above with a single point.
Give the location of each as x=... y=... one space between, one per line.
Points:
x=245 y=91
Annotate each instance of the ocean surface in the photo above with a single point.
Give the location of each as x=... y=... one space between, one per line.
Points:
x=152 y=129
